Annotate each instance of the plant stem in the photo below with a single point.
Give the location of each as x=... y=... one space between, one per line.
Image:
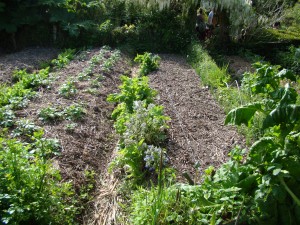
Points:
x=294 y=197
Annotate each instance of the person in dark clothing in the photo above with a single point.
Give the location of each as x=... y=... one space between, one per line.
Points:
x=200 y=25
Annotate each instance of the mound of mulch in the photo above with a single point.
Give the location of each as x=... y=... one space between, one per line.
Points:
x=29 y=59
x=197 y=134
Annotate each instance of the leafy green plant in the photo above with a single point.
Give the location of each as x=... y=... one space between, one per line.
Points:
x=32 y=80
x=68 y=89
x=71 y=127
x=74 y=112
x=148 y=63
x=16 y=91
x=7 y=117
x=24 y=127
x=63 y=58
x=132 y=89
x=50 y=114
x=275 y=156
x=146 y=125
x=31 y=189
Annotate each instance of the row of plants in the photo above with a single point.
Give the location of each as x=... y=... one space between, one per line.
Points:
x=106 y=64
x=31 y=188
x=140 y=123
x=256 y=186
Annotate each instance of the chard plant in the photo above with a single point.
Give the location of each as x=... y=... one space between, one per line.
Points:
x=275 y=157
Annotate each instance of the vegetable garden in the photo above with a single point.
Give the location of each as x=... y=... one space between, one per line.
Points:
x=108 y=126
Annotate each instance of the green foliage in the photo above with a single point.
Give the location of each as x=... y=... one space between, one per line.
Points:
x=31 y=190
x=216 y=200
x=148 y=63
x=105 y=64
x=289 y=58
x=68 y=90
x=32 y=80
x=63 y=58
x=24 y=127
x=210 y=74
x=278 y=107
x=132 y=89
x=50 y=114
x=72 y=112
x=15 y=93
x=141 y=126
x=275 y=155
x=139 y=130
x=7 y=117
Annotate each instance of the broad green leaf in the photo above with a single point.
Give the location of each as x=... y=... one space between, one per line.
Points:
x=287 y=114
x=247 y=183
x=243 y=114
x=276 y=172
x=286 y=95
x=260 y=149
x=289 y=96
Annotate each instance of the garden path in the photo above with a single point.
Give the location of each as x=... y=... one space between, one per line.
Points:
x=197 y=133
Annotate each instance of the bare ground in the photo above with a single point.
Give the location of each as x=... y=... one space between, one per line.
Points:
x=197 y=133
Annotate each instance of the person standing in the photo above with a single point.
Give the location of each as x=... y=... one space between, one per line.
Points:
x=210 y=18
x=200 y=25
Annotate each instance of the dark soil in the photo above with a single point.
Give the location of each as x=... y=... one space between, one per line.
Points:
x=197 y=133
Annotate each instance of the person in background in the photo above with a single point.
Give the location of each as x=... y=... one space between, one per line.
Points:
x=210 y=19
x=200 y=25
